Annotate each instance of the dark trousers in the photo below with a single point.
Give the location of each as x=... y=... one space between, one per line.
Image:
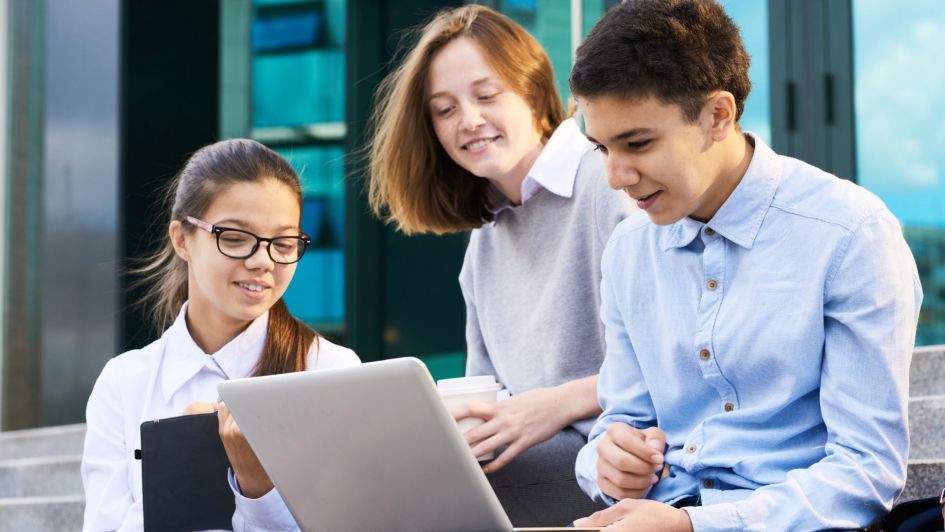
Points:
x=538 y=488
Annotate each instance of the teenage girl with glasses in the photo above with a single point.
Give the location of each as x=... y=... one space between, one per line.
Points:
x=232 y=246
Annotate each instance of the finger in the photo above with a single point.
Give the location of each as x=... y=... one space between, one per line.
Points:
x=491 y=444
x=607 y=516
x=633 y=441
x=623 y=461
x=483 y=431
x=617 y=492
x=624 y=481
x=503 y=458
x=476 y=409
x=655 y=438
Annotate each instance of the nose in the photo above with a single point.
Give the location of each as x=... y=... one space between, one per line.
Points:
x=260 y=260
x=471 y=116
x=620 y=173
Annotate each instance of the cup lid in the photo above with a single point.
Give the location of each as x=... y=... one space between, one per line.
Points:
x=468 y=384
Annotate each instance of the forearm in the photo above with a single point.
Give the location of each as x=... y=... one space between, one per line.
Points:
x=578 y=399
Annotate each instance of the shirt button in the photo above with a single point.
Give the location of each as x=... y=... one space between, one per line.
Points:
x=729 y=407
x=707 y=484
x=691 y=448
x=709 y=231
x=704 y=354
x=712 y=284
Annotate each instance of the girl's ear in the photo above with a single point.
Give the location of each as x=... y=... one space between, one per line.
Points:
x=176 y=233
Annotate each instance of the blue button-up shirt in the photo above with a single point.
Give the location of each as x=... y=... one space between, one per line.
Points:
x=771 y=345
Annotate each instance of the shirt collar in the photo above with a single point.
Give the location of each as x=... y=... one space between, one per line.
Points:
x=740 y=216
x=555 y=169
x=184 y=359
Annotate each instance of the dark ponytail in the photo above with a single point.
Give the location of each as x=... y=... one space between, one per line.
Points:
x=207 y=172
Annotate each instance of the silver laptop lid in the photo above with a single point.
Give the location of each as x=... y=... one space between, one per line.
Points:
x=368 y=447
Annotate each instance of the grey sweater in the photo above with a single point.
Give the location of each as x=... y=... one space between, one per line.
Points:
x=531 y=282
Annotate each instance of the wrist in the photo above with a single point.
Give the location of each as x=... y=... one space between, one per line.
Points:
x=578 y=399
x=684 y=523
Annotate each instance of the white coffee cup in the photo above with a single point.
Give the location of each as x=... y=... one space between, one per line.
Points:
x=462 y=390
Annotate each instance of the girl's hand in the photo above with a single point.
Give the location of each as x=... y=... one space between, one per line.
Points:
x=198 y=407
x=252 y=478
x=519 y=422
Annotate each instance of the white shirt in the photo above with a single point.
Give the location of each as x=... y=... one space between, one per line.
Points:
x=160 y=381
x=555 y=168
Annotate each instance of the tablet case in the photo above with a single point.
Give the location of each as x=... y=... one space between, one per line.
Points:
x=184 y=475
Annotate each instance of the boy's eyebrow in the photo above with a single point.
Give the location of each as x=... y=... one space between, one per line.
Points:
x=474 y=83
x=625 y=135
x=632 y=133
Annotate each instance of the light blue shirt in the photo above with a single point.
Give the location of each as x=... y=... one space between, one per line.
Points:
x=771 y=345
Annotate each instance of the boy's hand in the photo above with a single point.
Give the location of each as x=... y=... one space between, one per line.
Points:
x=629 y=515
x=629 y=460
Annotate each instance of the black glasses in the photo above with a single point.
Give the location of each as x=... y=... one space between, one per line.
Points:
x=240 y=244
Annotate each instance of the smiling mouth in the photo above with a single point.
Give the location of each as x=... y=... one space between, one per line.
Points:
x=252 y=287
x=480 y=143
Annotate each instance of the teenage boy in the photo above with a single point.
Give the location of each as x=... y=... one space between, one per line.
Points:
x=760 y=313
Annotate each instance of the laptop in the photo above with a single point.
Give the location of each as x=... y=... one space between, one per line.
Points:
x=369 y=447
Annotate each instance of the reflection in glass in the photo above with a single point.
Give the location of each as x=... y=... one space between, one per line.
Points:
x=899 y=78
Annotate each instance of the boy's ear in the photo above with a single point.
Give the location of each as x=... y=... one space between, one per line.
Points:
x=176 y=233
x=722 y=107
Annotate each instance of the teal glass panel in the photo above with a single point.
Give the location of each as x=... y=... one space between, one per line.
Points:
x=899 y=75
x=549 y=21
x=321 y=170
x=751 y=16
x=298 y=88
x=445 y=365
x=316 y=295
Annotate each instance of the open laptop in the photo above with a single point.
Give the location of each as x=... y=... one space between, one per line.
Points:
x=370 y=447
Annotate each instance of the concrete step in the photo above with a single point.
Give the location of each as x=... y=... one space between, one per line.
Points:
x=927 y=374
x=927 y=427
x=48 y=441
x=42 y=513
x=926 y=478
x=40 y=477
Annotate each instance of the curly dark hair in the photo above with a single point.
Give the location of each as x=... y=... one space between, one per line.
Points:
x=679 y=51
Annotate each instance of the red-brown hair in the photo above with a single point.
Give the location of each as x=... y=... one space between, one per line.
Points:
x=413 y=182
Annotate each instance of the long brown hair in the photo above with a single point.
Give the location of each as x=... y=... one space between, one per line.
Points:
x=207 y=172
x=413 y=182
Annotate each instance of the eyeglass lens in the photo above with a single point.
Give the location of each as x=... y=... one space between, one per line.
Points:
x=240 y=245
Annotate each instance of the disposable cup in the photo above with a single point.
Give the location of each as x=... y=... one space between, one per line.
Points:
x=460 y=391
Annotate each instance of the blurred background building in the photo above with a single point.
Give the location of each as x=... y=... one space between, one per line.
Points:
x=105 y=99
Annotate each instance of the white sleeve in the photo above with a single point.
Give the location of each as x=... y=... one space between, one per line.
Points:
x=267 y=513
x=109 y=501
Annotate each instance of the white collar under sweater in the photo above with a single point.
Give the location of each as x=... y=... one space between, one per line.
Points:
x=556 y=166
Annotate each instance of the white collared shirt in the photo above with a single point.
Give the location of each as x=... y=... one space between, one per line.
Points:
x=160 y=381
x=556 y=166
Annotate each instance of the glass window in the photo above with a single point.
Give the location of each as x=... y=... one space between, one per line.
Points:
x=751 y=16
x=900 y=134
x=548 y=19
x=297 y=102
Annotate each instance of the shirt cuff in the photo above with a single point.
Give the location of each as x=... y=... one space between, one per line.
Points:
x=585 y=470
x=713 y=517
x=268 y=512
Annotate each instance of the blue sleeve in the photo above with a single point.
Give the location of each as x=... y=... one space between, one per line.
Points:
x=871 y=303
x=623 y=395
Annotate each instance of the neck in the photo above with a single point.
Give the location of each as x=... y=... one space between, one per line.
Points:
x=735 y=157
x=208 y=333
x=510 y=184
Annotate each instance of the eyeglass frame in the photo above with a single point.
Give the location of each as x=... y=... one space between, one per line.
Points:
x=218 y=230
